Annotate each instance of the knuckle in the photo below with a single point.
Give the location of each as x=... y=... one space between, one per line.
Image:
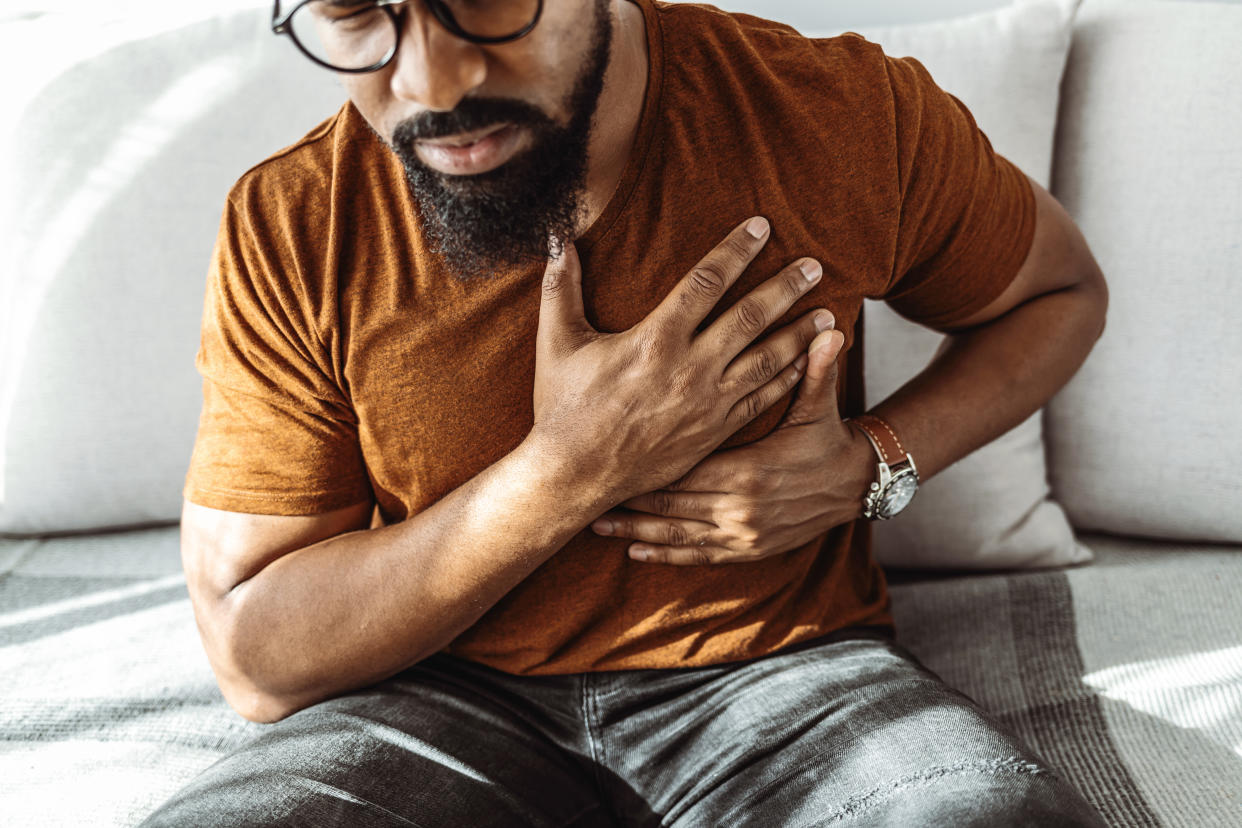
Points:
x=743 y=482
x=794 y=284
x=753 y=405
x=680 y=382
x=708 y=279
x=553 y=282
x=743 y=516
x=675 y=535
x=750 y=483
x=662 y=503
x=700 y=556
x=737 y=247
x=763 y=366
x=649 y=350
x=749 y=316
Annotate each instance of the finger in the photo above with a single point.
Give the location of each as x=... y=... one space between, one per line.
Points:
x=760 y=362
x=688 y=505
x=683 y=555
x=562 y=321
x=739 y=325
x=817 y=395
x=697 y=293
x=712 y=476
x=757 y=402
x=653 y=529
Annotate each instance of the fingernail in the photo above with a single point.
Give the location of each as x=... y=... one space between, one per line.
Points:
x=640 y=553
x=831 y=342
x=811 y=270
x=824 y=320
x=602 y=527
x=757 y=227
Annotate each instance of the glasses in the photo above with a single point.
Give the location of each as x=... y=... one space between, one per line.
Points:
x=357 y=36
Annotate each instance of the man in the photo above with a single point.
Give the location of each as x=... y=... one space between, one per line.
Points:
x=619 y=568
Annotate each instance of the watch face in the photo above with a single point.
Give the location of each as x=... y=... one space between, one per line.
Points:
x=899 y=494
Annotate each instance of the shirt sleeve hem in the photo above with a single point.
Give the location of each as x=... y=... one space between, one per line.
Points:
x=275 y=503
x=992 y=289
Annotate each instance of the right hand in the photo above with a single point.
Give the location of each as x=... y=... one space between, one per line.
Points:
x=641 y=407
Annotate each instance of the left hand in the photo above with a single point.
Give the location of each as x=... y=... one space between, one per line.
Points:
x=764 y=498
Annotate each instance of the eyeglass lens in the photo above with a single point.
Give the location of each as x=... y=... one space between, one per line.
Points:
x=358 y=35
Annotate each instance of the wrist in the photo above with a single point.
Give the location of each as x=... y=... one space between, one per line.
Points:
x=862 y=465
x=897 y=478
x=577 y=482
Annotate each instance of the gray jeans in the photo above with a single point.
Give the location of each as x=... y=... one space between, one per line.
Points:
x=847 y=730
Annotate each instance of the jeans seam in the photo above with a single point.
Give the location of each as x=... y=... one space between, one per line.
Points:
x=862 y=802
x=590 y=714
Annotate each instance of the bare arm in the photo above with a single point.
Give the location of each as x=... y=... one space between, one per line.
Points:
x=357 y=605
x=1008 y=359
x=293 y=611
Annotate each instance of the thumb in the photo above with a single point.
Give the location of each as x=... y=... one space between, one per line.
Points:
x=561 y=318
x=817 y=395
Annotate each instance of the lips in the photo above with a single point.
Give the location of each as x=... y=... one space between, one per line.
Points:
x=471 y=153
x=463 y=139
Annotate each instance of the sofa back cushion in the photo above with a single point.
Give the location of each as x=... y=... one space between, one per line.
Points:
x=1145 y=439
x=117 y=170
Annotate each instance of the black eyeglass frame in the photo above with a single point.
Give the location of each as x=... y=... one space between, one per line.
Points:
x=280 y=25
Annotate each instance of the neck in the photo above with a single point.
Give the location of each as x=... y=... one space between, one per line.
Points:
x=619 y=111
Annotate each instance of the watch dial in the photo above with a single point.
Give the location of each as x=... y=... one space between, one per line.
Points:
x=900 y=493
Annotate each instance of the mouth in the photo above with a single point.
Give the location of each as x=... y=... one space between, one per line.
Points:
x=470 y=153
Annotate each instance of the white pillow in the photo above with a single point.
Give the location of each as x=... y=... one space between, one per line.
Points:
x=117 y=171
x=992 y=509
x=1146 y=440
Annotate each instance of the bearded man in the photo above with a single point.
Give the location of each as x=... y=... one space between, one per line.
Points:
x=523 y=494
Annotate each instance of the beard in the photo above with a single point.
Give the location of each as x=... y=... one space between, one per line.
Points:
x=527 y=208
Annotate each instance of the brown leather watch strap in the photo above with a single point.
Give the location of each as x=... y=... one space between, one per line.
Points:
x=882 y=437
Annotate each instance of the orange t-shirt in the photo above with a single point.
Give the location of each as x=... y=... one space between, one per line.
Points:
x=343 y=364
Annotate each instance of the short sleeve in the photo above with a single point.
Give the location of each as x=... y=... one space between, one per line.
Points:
x=967 y=214
x=276 y=434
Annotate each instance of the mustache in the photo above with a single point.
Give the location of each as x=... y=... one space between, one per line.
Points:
x=469 y=115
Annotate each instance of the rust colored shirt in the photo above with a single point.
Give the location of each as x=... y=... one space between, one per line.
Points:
x=343 y=364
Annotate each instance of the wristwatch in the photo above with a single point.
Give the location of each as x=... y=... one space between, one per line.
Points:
x=897 y=477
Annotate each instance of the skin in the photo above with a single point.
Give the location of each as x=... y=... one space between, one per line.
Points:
x=295 y=610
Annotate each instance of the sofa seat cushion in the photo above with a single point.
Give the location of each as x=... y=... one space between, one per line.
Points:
x=1126 y=674
x=108 y=705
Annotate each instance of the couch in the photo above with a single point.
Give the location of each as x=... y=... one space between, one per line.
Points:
x=1094 y=604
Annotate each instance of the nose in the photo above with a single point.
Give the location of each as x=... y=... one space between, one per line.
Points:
x=433 y=67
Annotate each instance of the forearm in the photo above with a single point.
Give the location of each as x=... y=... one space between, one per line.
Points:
x=985 y=381
x=359 y=607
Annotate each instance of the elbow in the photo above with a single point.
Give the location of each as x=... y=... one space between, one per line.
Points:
x=239 y=665
x=251 y=697
x=254 y=705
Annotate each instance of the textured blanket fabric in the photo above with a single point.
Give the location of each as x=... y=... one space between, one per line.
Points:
x=107 y=704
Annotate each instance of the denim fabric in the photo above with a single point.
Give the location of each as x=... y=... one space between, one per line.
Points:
x=848 y=730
